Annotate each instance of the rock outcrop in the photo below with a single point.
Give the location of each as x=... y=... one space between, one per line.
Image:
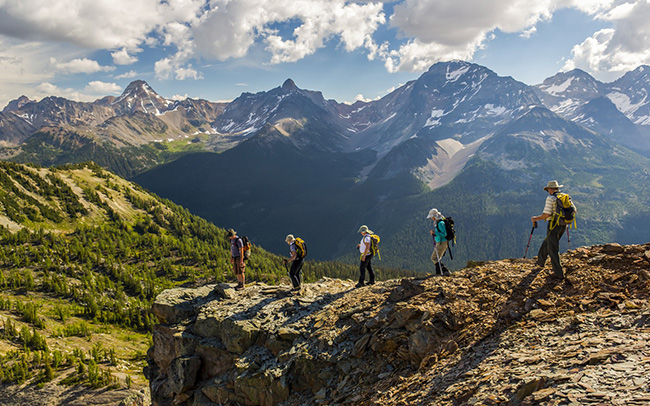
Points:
x=499 y=332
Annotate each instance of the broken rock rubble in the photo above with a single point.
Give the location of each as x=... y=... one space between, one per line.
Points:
x=500 y=332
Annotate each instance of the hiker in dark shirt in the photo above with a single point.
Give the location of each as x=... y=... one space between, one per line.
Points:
x=237 y=258
x=296 y=264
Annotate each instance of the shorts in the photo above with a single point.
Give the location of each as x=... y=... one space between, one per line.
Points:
x=238 y=266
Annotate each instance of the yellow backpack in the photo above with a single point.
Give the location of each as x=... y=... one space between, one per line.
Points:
x=374 y=245
x=301 y=248
x=565 y=211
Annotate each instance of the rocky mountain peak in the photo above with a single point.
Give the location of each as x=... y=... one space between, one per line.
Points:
x=289 y=85
x=138 y=88
x=139 y=96
x=573 y=84
x=428 y=340
x=16 y=104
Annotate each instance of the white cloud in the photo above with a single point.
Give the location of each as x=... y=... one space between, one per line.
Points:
x=122 y=57
x=127 y=75
x=622 y=48
x=360 y=97
x=83 y=65
x=230 y=28
x=100 y=24
x=98 y=87
x=455 y=29
x=46 y=89
x=179 y=97
x=193 y=31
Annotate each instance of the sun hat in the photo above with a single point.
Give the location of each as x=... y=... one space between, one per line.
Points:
x=553 y=185
x=289 y=238
x=231 y=232
x=434 y=214
x=364 y=229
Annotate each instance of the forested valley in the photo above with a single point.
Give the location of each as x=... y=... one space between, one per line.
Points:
x=83 y=253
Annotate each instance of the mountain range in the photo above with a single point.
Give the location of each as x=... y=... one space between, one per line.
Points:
x=461 y=138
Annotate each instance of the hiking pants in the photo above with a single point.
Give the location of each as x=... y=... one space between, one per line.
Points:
x=294 y=272
x=551 y=247
x=362 y=270
x=439 y=251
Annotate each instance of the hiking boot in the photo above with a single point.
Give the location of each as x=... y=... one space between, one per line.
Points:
x=240 y=286
x=445 y=271
x=438 y=271
x=360 y=285
x=371 y=283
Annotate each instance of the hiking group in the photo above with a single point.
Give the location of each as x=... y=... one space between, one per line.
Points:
x=559 y=212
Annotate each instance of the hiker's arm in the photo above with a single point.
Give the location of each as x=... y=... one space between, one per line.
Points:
x=542 y=216
x=241 y=252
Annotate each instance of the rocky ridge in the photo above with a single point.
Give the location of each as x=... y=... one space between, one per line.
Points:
x=499 y=332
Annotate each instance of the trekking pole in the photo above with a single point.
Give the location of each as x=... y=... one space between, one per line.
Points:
x=530 y=237
x=568 y=236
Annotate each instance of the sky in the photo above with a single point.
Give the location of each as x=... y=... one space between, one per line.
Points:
x=350 y=50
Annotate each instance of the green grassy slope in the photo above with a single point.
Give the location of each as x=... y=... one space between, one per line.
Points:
x=83 y=253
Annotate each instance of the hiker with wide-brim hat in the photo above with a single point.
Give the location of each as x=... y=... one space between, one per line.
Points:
x=237 y=258
x=440 y=243
x=551 y=245
x=366 y=257
x=297 y=258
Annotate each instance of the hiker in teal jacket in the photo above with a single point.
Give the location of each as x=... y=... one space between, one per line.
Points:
x=439 y=234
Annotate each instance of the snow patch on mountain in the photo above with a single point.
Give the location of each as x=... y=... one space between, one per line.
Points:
x=435 y=118
x=492 y=110
x=454 y=75
x=627 y=107
x=556 y=90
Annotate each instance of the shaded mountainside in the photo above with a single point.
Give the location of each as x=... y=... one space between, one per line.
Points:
x=497 y=332
x=83 y=253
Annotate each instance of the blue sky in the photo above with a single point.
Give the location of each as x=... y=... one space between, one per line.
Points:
x=218 y=49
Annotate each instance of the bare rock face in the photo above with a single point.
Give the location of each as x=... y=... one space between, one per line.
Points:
x=498 y=333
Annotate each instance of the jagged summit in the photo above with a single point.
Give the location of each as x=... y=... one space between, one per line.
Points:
x=16 y=104
x=289 y=85
x=139 y=96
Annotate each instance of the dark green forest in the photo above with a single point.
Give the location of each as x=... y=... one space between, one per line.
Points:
x=83 y=252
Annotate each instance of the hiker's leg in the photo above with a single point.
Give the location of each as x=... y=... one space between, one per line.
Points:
x=543 y=252
x=301 y=261
x=362 y=271
x=294 y=273
x=442 y=248
x=554 y=249
x=371 y=272
x=438 y=251
x=238 y=269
